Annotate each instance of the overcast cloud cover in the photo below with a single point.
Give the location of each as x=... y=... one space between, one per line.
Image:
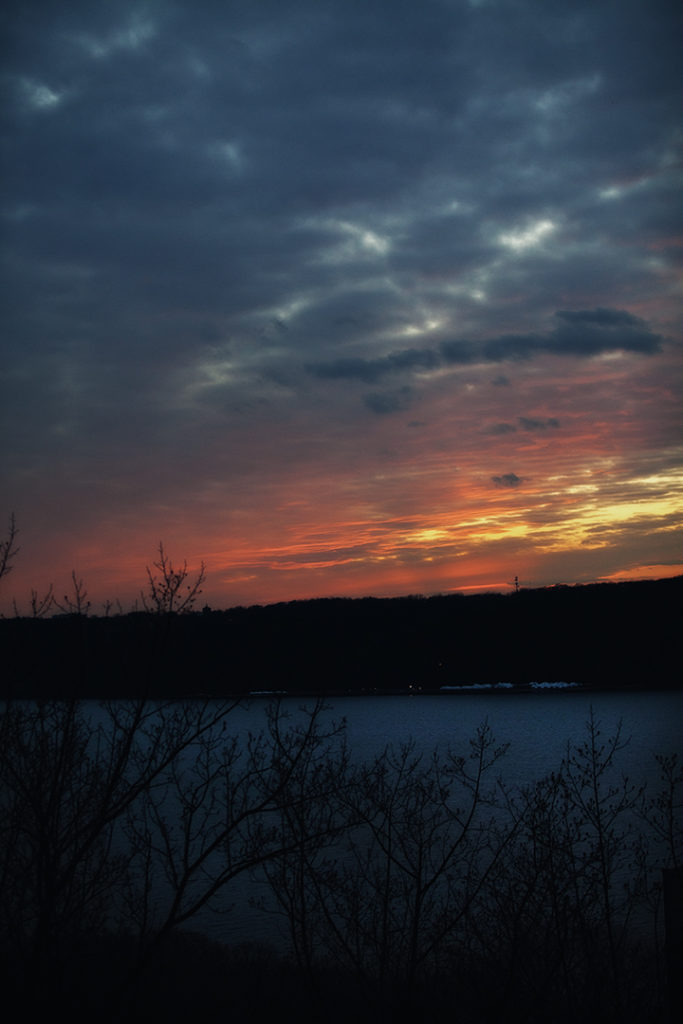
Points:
x=341 y=296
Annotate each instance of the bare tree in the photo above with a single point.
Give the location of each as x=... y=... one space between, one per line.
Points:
x=67 y=779
x=8 y=547
x=312 y=817
x=78 y=604
x=414 y=849
x=131 y=817
x=170 y=589
x=557 y=917
x=39 y=604
x=663 y=812
x=603 y=806
x=663 y=815
x=218 y=813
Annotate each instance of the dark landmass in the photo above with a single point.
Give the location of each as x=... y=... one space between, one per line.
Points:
x=609 y=635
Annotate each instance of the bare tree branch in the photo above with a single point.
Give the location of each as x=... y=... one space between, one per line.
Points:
x=171 y=591
x=78 y=604
x=9 y=548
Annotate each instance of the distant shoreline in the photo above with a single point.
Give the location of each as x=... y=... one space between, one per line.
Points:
x=475 y=690
x=618 y=637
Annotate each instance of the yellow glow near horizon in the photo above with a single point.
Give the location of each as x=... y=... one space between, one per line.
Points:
x=585 y=526
x=427 y=536
x=573 y=517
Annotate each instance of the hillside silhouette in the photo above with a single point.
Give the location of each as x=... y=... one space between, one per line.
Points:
x=607 y=635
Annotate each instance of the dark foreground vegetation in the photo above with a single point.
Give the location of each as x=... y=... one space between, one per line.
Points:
x=413 y=887
x=601 y=635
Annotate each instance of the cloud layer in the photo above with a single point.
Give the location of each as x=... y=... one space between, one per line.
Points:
x=342 y=297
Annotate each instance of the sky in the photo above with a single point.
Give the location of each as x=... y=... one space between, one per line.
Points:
x=341 y=297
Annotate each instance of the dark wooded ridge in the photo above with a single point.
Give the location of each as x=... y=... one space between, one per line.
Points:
x=599 y=635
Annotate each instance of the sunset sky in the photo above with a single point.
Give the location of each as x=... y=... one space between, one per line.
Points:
x=342 y=297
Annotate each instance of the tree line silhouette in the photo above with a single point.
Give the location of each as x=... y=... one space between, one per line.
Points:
x=601 y=635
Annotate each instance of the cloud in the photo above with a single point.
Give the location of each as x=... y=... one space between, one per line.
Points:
x=349 y=369
x=458 y=352
x=387 y=402
x=507 y=480
x=370 y=370
x=590 y=332
x=533 y=423
x=501 y=428
x=579 y=333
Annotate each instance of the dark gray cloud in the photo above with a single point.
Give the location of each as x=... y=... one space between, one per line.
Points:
x=589 y=332
x=501 y=429
x=458 y=352
x=385 y=402
x=507 y=480
x=536 y=423
x=370 y=370
x=580 y=333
